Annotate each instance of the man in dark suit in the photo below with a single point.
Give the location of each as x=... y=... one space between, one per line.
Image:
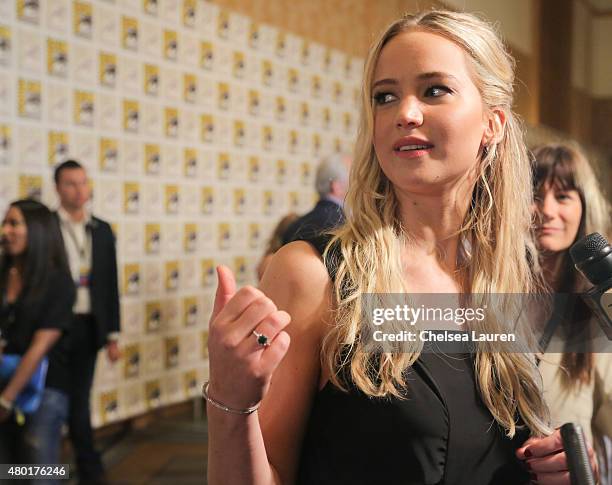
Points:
x=331 y=182
x=90 y=247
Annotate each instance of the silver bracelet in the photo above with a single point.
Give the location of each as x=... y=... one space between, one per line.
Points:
x=223 y=407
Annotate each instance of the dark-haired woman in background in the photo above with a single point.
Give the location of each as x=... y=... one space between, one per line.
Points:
x=37 y=294
x=577 y=381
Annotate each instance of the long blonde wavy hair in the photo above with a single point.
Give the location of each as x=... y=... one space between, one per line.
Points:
x=496 y=229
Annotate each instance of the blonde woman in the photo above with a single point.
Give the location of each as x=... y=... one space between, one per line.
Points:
x=577 y=380
x=437 y=204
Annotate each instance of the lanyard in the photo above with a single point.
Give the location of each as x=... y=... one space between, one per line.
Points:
x=83 y=249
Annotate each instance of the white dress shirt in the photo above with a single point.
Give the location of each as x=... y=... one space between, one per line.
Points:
x=77 y=241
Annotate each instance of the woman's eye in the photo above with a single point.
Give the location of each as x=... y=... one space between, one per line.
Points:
x=437 y=91
x=384 y=98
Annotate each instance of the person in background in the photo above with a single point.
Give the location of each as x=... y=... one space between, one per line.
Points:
x=37 y=295
x=577 y=381
x=90 y=248
x=275 y=242
x=331 y=183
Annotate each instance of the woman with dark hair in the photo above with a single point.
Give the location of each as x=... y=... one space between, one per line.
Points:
x=37 y=294
x=577 y=380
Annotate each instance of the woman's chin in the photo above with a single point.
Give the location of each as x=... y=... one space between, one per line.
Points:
x=549 y=244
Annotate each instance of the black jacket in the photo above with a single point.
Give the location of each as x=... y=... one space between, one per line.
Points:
x=104 y=291
x=326 y=215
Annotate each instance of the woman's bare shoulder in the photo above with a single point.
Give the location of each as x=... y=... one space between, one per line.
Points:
x=298 y=283
x=297 y=269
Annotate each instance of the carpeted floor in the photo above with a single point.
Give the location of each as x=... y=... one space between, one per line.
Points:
x=169 y=451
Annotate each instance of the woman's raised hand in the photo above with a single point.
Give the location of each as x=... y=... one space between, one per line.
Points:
x=246 y=342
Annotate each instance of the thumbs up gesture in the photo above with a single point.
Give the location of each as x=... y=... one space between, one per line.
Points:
x=246 y=342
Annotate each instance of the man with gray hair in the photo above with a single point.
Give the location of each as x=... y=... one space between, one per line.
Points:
x=331 y=183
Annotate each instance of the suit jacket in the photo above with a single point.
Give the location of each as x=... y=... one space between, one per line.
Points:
x=103 y=286
x=325 y=215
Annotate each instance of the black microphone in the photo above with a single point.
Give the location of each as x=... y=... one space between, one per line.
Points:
x=592 y=256
x=577 y=456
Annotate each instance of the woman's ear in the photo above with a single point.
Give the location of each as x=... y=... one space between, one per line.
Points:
x=494 y=128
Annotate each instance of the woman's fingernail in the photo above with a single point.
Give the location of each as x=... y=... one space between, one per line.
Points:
x=527 y=453
x=534 y=477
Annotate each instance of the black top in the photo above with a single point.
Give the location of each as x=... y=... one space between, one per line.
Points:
x=52 y=310
x=442 y=433
x=325 y=216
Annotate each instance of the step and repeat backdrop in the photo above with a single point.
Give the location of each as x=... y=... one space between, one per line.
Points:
x=199 y=129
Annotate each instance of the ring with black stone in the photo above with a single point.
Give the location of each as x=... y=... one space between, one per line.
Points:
x=262 y=339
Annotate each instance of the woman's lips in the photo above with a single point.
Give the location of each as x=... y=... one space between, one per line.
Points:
x=410 y=147
x=415 y=153
x=549 y=229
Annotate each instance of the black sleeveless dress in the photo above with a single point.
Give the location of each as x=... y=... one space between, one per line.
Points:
x=442 y=433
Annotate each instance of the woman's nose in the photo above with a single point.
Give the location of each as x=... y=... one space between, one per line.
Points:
x=409 y=114
x=548 y=206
